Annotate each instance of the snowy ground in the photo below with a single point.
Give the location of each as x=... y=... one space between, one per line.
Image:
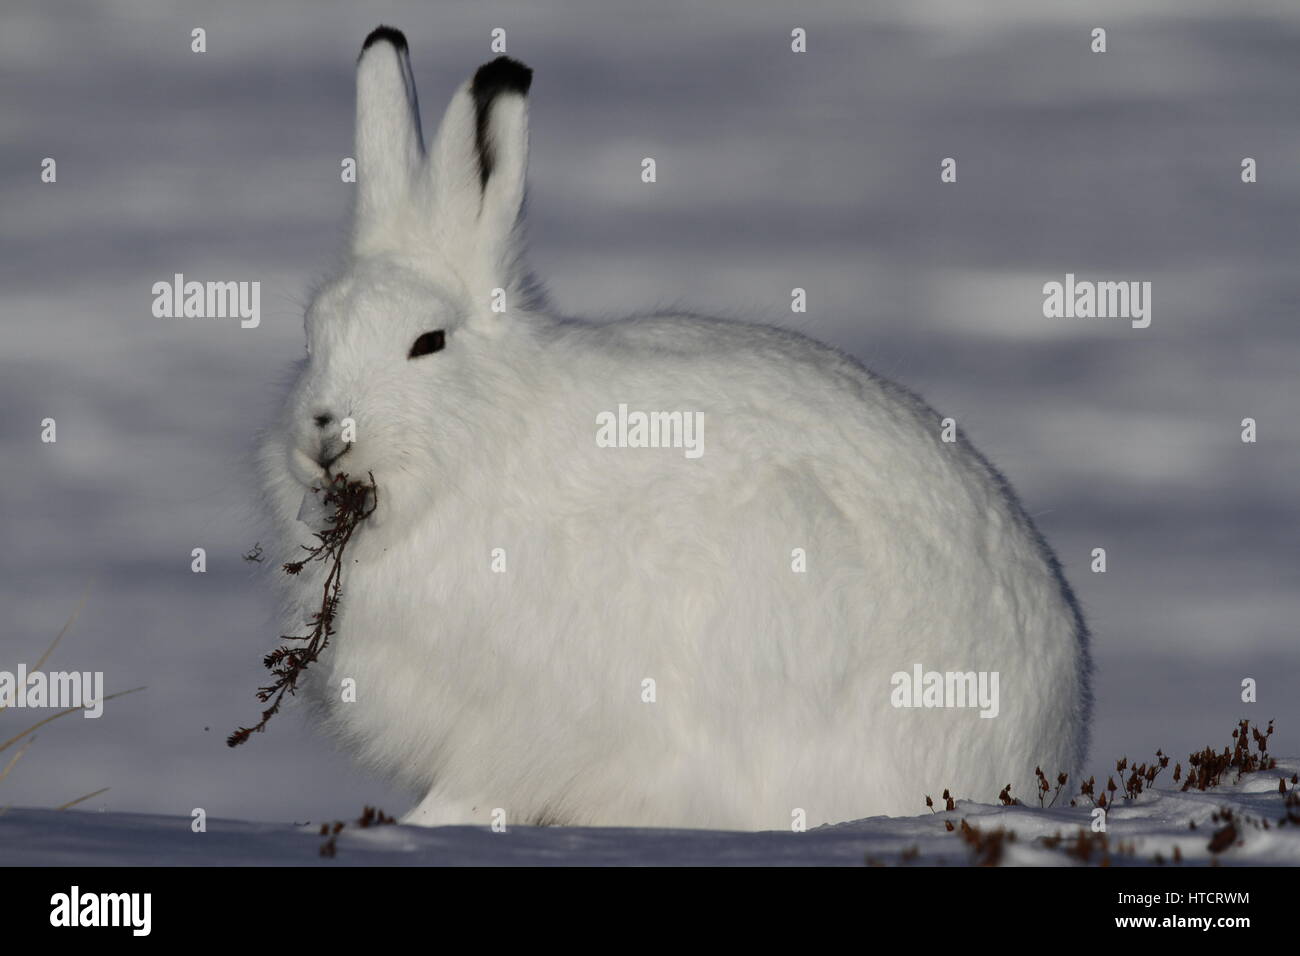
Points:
x=1154 y=824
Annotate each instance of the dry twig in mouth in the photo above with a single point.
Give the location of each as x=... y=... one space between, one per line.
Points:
x=353 y=502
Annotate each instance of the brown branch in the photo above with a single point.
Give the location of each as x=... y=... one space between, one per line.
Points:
x=354 y=502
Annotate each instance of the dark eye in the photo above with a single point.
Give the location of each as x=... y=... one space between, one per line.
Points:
x=428 y=342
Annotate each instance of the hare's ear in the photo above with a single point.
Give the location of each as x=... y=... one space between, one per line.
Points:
x=389 y=146
x=479 y=162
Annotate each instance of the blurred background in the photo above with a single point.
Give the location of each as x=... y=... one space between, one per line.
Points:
x=776 y=170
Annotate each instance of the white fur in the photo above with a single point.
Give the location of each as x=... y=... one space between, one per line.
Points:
x=523 y=690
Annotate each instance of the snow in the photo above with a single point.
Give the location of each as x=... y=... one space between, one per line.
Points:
x=1154 y=823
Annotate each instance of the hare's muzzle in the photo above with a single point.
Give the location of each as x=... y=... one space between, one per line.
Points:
x=329 y=441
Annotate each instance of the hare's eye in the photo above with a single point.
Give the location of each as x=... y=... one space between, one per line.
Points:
x=428 y=342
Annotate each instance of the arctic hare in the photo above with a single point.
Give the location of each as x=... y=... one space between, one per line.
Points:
x=670 y=570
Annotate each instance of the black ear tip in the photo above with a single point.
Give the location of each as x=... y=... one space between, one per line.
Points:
x=387 y=35
x=502 y=75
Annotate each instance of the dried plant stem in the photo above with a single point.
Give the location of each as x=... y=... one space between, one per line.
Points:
x=14 y=759
x=55 y=643
x=63 y=713
x=354 y=502
x=73 y=803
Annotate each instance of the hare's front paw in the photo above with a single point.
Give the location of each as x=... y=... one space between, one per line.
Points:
x=436 y=810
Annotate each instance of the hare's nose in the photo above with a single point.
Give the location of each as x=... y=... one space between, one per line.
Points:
x=323 y=419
